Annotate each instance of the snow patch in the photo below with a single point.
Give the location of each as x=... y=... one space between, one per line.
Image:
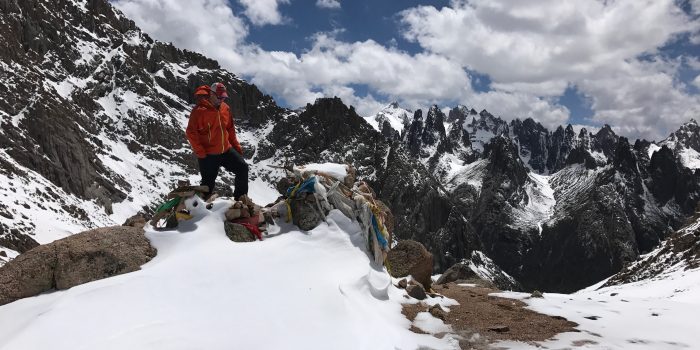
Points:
x=650 y=314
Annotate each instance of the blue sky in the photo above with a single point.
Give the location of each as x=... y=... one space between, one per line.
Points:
x=633 y=64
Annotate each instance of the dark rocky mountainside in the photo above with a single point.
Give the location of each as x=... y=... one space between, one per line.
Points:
x=92 y=121
x=564 y=209
x=679 y=253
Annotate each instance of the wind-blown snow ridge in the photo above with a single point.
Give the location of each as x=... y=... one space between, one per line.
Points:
x=294 y=290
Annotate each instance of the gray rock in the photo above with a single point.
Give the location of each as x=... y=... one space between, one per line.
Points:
x=417 y=291
x=305 y=213
x=74 y=260
x=437 y=312
x=460 y=271
x=238 y=233
x=499 y=329
x=409 y=257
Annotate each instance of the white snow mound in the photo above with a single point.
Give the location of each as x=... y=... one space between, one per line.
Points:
x=294 y=290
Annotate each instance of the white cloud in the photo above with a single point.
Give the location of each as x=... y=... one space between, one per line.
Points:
x=262 y=12
x=531 y=50
x=696 y=81
x=511 y=105
x=539 y=48
x=199 y=25
x=328 y=4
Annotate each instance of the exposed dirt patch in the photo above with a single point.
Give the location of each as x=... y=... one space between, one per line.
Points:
x=481 y=319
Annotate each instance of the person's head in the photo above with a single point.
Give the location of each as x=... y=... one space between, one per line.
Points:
x=203 y=93
x=219 y=92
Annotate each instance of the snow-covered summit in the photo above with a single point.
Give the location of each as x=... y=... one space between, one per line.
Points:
x=397 y=117
x=686 y=143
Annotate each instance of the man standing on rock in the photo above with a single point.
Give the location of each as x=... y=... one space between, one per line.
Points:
x=212 y=134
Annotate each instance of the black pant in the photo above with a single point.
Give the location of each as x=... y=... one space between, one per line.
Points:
x=231 y=161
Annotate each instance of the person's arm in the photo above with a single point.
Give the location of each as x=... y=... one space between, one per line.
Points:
x=193 y=137
x=232 y=135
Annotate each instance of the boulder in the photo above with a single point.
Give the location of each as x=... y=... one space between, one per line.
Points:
x=74 y=260
x=459 y=271
x=437 y=312
x=305 y=212
x=417 y=291
x=409 y=257
x=238 y=233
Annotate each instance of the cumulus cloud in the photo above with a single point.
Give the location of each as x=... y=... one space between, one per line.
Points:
x=531 y=50
x=511 y=105
x=328 y=4
x=262 y=12
x=199 y=25
x=540 y=47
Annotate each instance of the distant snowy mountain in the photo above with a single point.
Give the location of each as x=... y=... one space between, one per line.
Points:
x=686 y=144
x=528 y=192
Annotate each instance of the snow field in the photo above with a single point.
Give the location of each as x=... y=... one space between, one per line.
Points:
x=654 y=314
x=294 y=290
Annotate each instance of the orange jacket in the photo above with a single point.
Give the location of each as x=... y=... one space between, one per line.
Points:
x=211 y=131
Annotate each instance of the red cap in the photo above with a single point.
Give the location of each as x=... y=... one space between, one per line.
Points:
x=220 y=90
x=202 y=90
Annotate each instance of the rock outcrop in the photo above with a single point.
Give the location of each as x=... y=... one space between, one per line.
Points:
x=411 y=258
x=78 y=259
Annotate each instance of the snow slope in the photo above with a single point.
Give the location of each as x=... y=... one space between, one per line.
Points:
x=294 y=290
x=652 y=314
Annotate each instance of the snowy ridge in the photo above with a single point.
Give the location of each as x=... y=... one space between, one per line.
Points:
x=485 y=268
x=294 y=290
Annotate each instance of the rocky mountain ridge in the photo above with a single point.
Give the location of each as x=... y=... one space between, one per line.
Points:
x=547 y=205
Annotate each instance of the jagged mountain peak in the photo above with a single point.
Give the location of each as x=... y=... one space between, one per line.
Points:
x=391 y=120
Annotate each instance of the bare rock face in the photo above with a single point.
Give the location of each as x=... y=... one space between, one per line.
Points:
x=15 y=240
x=411 y=258
x=78 y=259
